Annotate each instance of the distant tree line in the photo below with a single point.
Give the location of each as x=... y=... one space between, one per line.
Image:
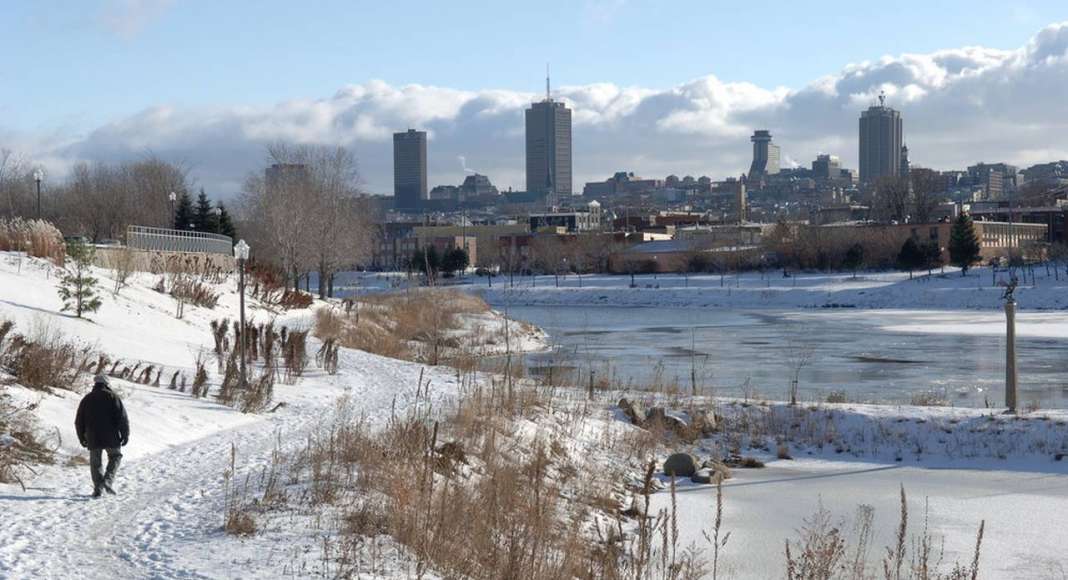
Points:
x=100 y=200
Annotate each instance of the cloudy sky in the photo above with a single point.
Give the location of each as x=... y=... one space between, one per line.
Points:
x=656 y=87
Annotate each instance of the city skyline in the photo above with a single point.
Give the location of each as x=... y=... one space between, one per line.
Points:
x=962 y=105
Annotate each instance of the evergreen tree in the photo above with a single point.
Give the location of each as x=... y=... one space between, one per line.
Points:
x=184 y=216
x=454 y=259
x=226 y=225
x=963 y=244
x=426 y=260
x=204 y=218
x=77 y=286
x=911 y=256
x=854 y=258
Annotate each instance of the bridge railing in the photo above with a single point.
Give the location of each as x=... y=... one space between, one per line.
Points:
x=168 y=240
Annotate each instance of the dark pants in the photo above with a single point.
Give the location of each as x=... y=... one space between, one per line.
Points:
x=95 y=465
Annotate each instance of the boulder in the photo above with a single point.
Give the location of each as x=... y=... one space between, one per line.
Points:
x=632 y=410
x=711 y=472
x=669 y=421
x=681 y=465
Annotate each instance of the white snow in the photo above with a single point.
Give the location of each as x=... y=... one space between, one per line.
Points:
x=166 y=520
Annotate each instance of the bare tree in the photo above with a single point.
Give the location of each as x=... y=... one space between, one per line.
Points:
x=309 y=216
x=926 y=187
x=892 y=198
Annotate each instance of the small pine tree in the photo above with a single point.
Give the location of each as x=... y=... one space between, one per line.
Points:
x=454 y=260
x=204 y=218
x=226 y=224
x=184 y=216
x=963 y=244
x=77 y=286
x=854 y=258
x=911 y=256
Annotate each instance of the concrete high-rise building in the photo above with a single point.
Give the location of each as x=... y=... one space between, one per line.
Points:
x=826 y=167
x=409 y=169
x=549 y=148
x=765 y=156
x=285 y=177
x=903 y=171
x=881 y=140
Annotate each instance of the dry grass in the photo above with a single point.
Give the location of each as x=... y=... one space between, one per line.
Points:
x=416 y=325
x=824 y=551
x=38 y=238
x=42 y=359
x=22 y=445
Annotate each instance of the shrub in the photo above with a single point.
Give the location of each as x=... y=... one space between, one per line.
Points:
x=21 y=445
x=190 y=290
x=44 y=359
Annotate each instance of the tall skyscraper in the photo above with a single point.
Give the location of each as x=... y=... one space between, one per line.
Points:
x=765 y=156
x=409 y=169
x=881 y=141
x=549 y=148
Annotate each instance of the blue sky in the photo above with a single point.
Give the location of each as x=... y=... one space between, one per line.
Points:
x=80 y=66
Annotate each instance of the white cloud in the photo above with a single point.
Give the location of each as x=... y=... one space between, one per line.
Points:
x=959 y=106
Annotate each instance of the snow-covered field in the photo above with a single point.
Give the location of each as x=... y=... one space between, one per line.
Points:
x=977 y=290
x=166 y=521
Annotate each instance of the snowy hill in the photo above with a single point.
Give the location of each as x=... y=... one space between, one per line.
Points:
x=171 y=484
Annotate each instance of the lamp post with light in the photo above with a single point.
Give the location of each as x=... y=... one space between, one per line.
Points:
x=241 y=254
x=38 y=175
x=173 y=197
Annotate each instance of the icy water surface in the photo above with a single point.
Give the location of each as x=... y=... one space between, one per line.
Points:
x=884 y=356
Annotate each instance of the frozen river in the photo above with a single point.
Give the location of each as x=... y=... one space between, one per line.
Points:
x=871 y=355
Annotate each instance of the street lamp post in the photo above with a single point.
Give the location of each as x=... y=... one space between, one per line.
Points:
x=173 y=197
x=241 y=253
x=38 y=175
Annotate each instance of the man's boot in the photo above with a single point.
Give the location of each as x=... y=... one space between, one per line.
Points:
x=96 y=492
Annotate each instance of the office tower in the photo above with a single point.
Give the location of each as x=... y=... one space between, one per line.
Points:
x=880 y=142
x=549 y=148
x=282 y=178
x=826 y=167
x=409 y=169
x=905 y=165
x=765 y=156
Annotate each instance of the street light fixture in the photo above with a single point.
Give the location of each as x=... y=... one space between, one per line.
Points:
x=241 y=254
x=173 y=197
x=38 y=175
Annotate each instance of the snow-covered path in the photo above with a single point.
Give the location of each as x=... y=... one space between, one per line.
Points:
x=170 y=504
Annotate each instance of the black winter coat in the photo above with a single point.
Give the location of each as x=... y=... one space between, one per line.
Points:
x=101 y=422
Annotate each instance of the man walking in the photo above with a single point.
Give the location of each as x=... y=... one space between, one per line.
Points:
x=102 y=425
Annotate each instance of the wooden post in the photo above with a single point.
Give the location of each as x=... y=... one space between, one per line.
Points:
x=1010 y=354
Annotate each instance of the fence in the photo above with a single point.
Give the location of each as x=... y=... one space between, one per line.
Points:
x=166 y=240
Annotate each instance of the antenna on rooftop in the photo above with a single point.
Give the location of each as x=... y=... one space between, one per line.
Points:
x=882 y=98
x=548 y=95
